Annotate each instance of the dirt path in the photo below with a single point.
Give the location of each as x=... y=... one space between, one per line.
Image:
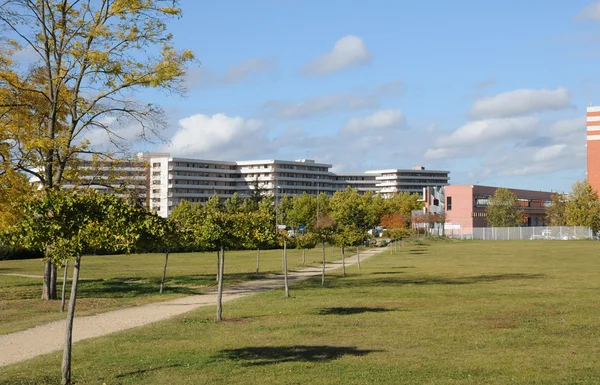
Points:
x=43 y=339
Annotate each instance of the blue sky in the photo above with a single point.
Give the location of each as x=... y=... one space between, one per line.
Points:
x=495 y=92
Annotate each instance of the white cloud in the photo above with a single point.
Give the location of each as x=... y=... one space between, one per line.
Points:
x=379 y=120
x=590 y=12
x=216 y=136
x=568 y=127
x=285 y=109
x=520 y=102
x=484 y=131
x=245 y=70
x=235 y=74
x=349 y=51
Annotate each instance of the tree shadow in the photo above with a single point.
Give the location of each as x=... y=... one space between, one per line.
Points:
x=351 y=310
x=122 y=288
x=144 y=371
x=270 y=355
x=467 y=280
x=372 y=280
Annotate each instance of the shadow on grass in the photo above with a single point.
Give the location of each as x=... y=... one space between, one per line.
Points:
x=351 y=310
x=126 y=289
x=144 y=371
x=269 y=355
x=453 y=281
x=357 y=281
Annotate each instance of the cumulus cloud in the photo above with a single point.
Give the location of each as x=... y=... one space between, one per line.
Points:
x=349 y=51
x=473 y=136
x=590 y=12
x=217 y=136
x=379 y=120
x=520 y=102
x=286 y=109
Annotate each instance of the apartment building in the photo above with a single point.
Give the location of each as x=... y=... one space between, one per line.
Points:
x=172 y=180
x=281 y=177
x=357 y=181
x=123 y=177
x=413 y=180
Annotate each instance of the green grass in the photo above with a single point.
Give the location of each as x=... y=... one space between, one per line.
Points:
x=118 y=281
x=435 y=313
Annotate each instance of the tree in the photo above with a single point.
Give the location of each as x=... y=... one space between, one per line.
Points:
x=64 y=223
x=90 y=59
x=324 y=230
x=556 y=212
x=503 y=209
x=306 y=241
x=261 y=232
x=396 y=225
x=583 y=206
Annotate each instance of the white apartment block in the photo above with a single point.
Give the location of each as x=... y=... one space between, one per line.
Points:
x=172 y=180
x=413 y=180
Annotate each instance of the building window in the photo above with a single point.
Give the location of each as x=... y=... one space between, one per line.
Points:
x=448 y=203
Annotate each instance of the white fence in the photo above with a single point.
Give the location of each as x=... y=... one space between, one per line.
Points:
x=522 y=233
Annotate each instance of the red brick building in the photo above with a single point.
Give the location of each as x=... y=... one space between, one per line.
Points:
x=593 y=147
x=466 y=206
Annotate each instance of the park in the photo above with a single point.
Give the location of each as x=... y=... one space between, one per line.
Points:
x=437 y=311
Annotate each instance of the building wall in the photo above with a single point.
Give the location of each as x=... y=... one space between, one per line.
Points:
x=413 y=180
x=593 y=147
x=469 y=205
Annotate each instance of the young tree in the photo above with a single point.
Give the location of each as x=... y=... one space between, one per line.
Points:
x=90 y=58
x=324 y=230
x=66 y=222
x=306 y=241
x=261 y=232
x=556 y=213
x=583 y=206
x=503 y=209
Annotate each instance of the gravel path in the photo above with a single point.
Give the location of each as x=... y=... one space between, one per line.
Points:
x=43 y=339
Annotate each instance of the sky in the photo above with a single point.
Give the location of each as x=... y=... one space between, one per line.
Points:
x=493 y=91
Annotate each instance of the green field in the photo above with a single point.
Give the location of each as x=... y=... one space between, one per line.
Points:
x=447 y=312
x=113 y=282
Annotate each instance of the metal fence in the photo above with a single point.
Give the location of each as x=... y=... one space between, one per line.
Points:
x=522 y=233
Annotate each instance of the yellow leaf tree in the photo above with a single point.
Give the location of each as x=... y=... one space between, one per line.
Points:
x=87 y=61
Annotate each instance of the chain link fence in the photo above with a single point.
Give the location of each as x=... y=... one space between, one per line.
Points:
x=522 y=233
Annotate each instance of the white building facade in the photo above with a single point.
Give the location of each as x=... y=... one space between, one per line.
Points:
x=172 y=180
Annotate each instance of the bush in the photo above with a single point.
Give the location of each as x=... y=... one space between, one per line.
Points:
x=11 y=253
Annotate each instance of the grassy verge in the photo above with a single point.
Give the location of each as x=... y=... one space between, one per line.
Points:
x=114 y=282
x=435 y=313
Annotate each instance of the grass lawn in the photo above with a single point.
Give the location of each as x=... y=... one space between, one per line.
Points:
x=455 y=312
x=113 y=282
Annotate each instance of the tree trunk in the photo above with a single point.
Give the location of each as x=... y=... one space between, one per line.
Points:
x=358 y=256
x=162 y=280
x=285 y=273
x=303 y=257
x=220 y=286
x=47 y=279
x=218 y=264
x=64 y=286
x=53 y=274
x=343 y=262
x=257 y=260
x=323 y=274
x=66 y=361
